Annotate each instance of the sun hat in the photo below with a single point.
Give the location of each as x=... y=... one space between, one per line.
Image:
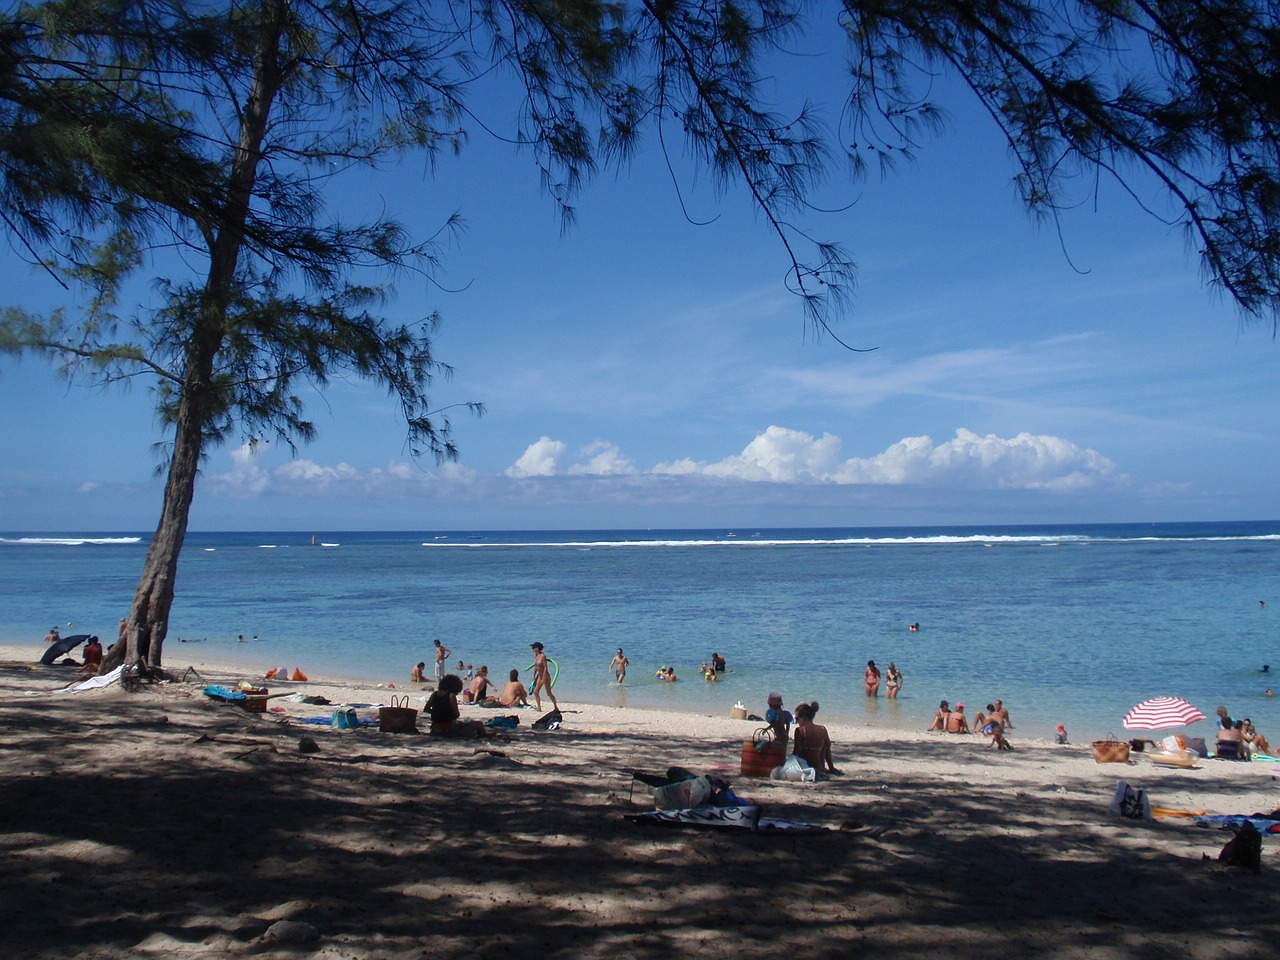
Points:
x=960 y=705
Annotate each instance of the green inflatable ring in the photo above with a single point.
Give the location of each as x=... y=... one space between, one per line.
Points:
x=555 y=672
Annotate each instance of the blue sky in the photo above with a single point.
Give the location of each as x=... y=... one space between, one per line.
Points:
x=642 y=371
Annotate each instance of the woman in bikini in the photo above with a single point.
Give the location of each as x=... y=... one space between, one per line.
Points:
x=871 y=679
x=811 y=741
x=892 y=682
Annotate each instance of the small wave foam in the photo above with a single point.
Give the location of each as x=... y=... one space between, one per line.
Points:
x=71 y=541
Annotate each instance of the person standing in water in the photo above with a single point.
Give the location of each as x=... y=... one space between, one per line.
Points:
x=871 y=679
x=442 y=654
x=892 y=682
x=619 y=665
x=541 y=676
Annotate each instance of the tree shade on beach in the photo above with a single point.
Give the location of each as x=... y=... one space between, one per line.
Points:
x=130 y=127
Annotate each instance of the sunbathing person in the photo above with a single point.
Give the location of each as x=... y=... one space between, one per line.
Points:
x=514 y=694
x=1256 y=741
x=940 y=718
x=416 y=675
x=92 y=656
x=812 y=742
x=1229 y=742
x=480 y=685
x=442 y=707
x=956 y=721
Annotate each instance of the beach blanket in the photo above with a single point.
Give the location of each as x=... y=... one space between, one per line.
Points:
x=1236 y=821
x=722 y=818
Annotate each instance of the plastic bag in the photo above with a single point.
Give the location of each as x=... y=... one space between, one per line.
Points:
x=795 y=769
x=1130 y=803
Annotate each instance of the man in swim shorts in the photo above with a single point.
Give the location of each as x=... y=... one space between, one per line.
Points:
x=514 y=694
x=442 y=654
x=619 y=665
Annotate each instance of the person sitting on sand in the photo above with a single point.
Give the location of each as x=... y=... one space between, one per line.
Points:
x=481 y=684
x=995 y=730
x=871 y=679
x=514 y=694
x=778 y=719
x=1002 y=715
x=812 y=742
x=92 y=656
x=1061 y=735
x=416 y=675
x=940 y=718
x=1257 y=742
x=52 y=636
x=442 y=707
x=1229 y=735
x=956 y=721
x=981 y=720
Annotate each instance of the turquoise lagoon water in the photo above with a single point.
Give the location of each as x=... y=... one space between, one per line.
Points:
x=1069 y=624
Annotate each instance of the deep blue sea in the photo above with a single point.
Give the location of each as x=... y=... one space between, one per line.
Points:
x=1071 y=624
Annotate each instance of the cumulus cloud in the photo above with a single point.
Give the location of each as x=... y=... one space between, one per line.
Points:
x=779 y=455
x=1024 y=462
x=601 y=459
x=540 y=459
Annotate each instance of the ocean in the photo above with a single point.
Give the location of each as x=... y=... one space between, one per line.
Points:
x=1070 y=624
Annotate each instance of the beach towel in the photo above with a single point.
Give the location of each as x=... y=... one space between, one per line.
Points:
x=724 y=818
x=1234 y=821
x=215 y=692
x=101 y=680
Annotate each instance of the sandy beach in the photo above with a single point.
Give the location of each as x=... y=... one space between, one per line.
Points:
x=163 y=823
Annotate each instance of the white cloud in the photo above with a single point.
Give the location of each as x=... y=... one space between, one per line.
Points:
x=602 y=459
x=779 y=455
x=88 y=486
x=1024 y=462
x=540 y=459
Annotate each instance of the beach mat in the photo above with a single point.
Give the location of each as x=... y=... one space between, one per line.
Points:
x=1236 y=821
x=722 y=818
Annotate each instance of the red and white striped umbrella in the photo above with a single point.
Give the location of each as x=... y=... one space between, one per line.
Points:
x=1161 y=712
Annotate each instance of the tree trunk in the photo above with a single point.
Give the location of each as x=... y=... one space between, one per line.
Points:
x=152 y=600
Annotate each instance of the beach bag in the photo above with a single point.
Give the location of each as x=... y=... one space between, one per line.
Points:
x=509 y=722
x=398 y=718
x=682 y=795
x=761 y=754
x=1130 y=803
x=344 y=719
x=549 y=721
x=1110 y=750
